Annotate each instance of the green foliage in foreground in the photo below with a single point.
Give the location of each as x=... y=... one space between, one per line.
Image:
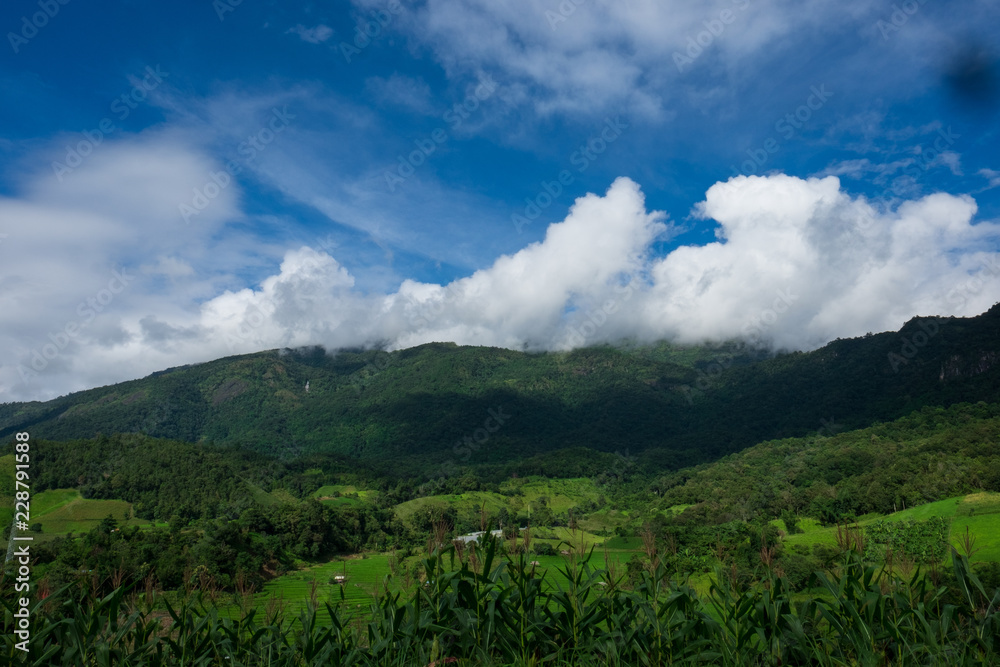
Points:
x=499 y=613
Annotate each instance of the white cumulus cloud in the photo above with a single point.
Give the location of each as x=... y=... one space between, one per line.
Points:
x=796 y=263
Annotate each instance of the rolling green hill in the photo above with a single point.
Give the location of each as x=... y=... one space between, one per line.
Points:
x=416 y=407
x=931 y=454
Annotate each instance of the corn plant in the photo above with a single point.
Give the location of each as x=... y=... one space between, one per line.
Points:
x=489 y=608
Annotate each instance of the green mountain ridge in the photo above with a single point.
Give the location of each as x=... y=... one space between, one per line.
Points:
x=672 y=405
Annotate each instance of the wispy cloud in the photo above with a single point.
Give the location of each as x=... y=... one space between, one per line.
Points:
x=992 y=175
x=403 y=91
x=314 y=35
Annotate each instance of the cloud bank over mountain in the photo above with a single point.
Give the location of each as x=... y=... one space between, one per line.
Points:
x=796 y=263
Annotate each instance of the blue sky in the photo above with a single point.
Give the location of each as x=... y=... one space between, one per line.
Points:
x=533 y=174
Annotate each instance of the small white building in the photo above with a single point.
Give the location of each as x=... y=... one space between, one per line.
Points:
x=474 y=537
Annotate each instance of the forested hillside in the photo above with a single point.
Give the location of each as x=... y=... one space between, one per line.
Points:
x=416 y=406
x=930 y=454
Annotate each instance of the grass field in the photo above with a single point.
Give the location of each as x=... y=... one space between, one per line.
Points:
x=276 y=497
x=62 y=511
x=624 y=543
x=561 y=494
x=59 y=511
x=607 y=519
x=340 y=495
x=344 y=490
x=364 y=574
x=67 y=511
x=464 y=504
x=985 y=528
x=518 y=496
x=980 y=512
x=562 y=538
x=979 y=503
x=49 y=501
